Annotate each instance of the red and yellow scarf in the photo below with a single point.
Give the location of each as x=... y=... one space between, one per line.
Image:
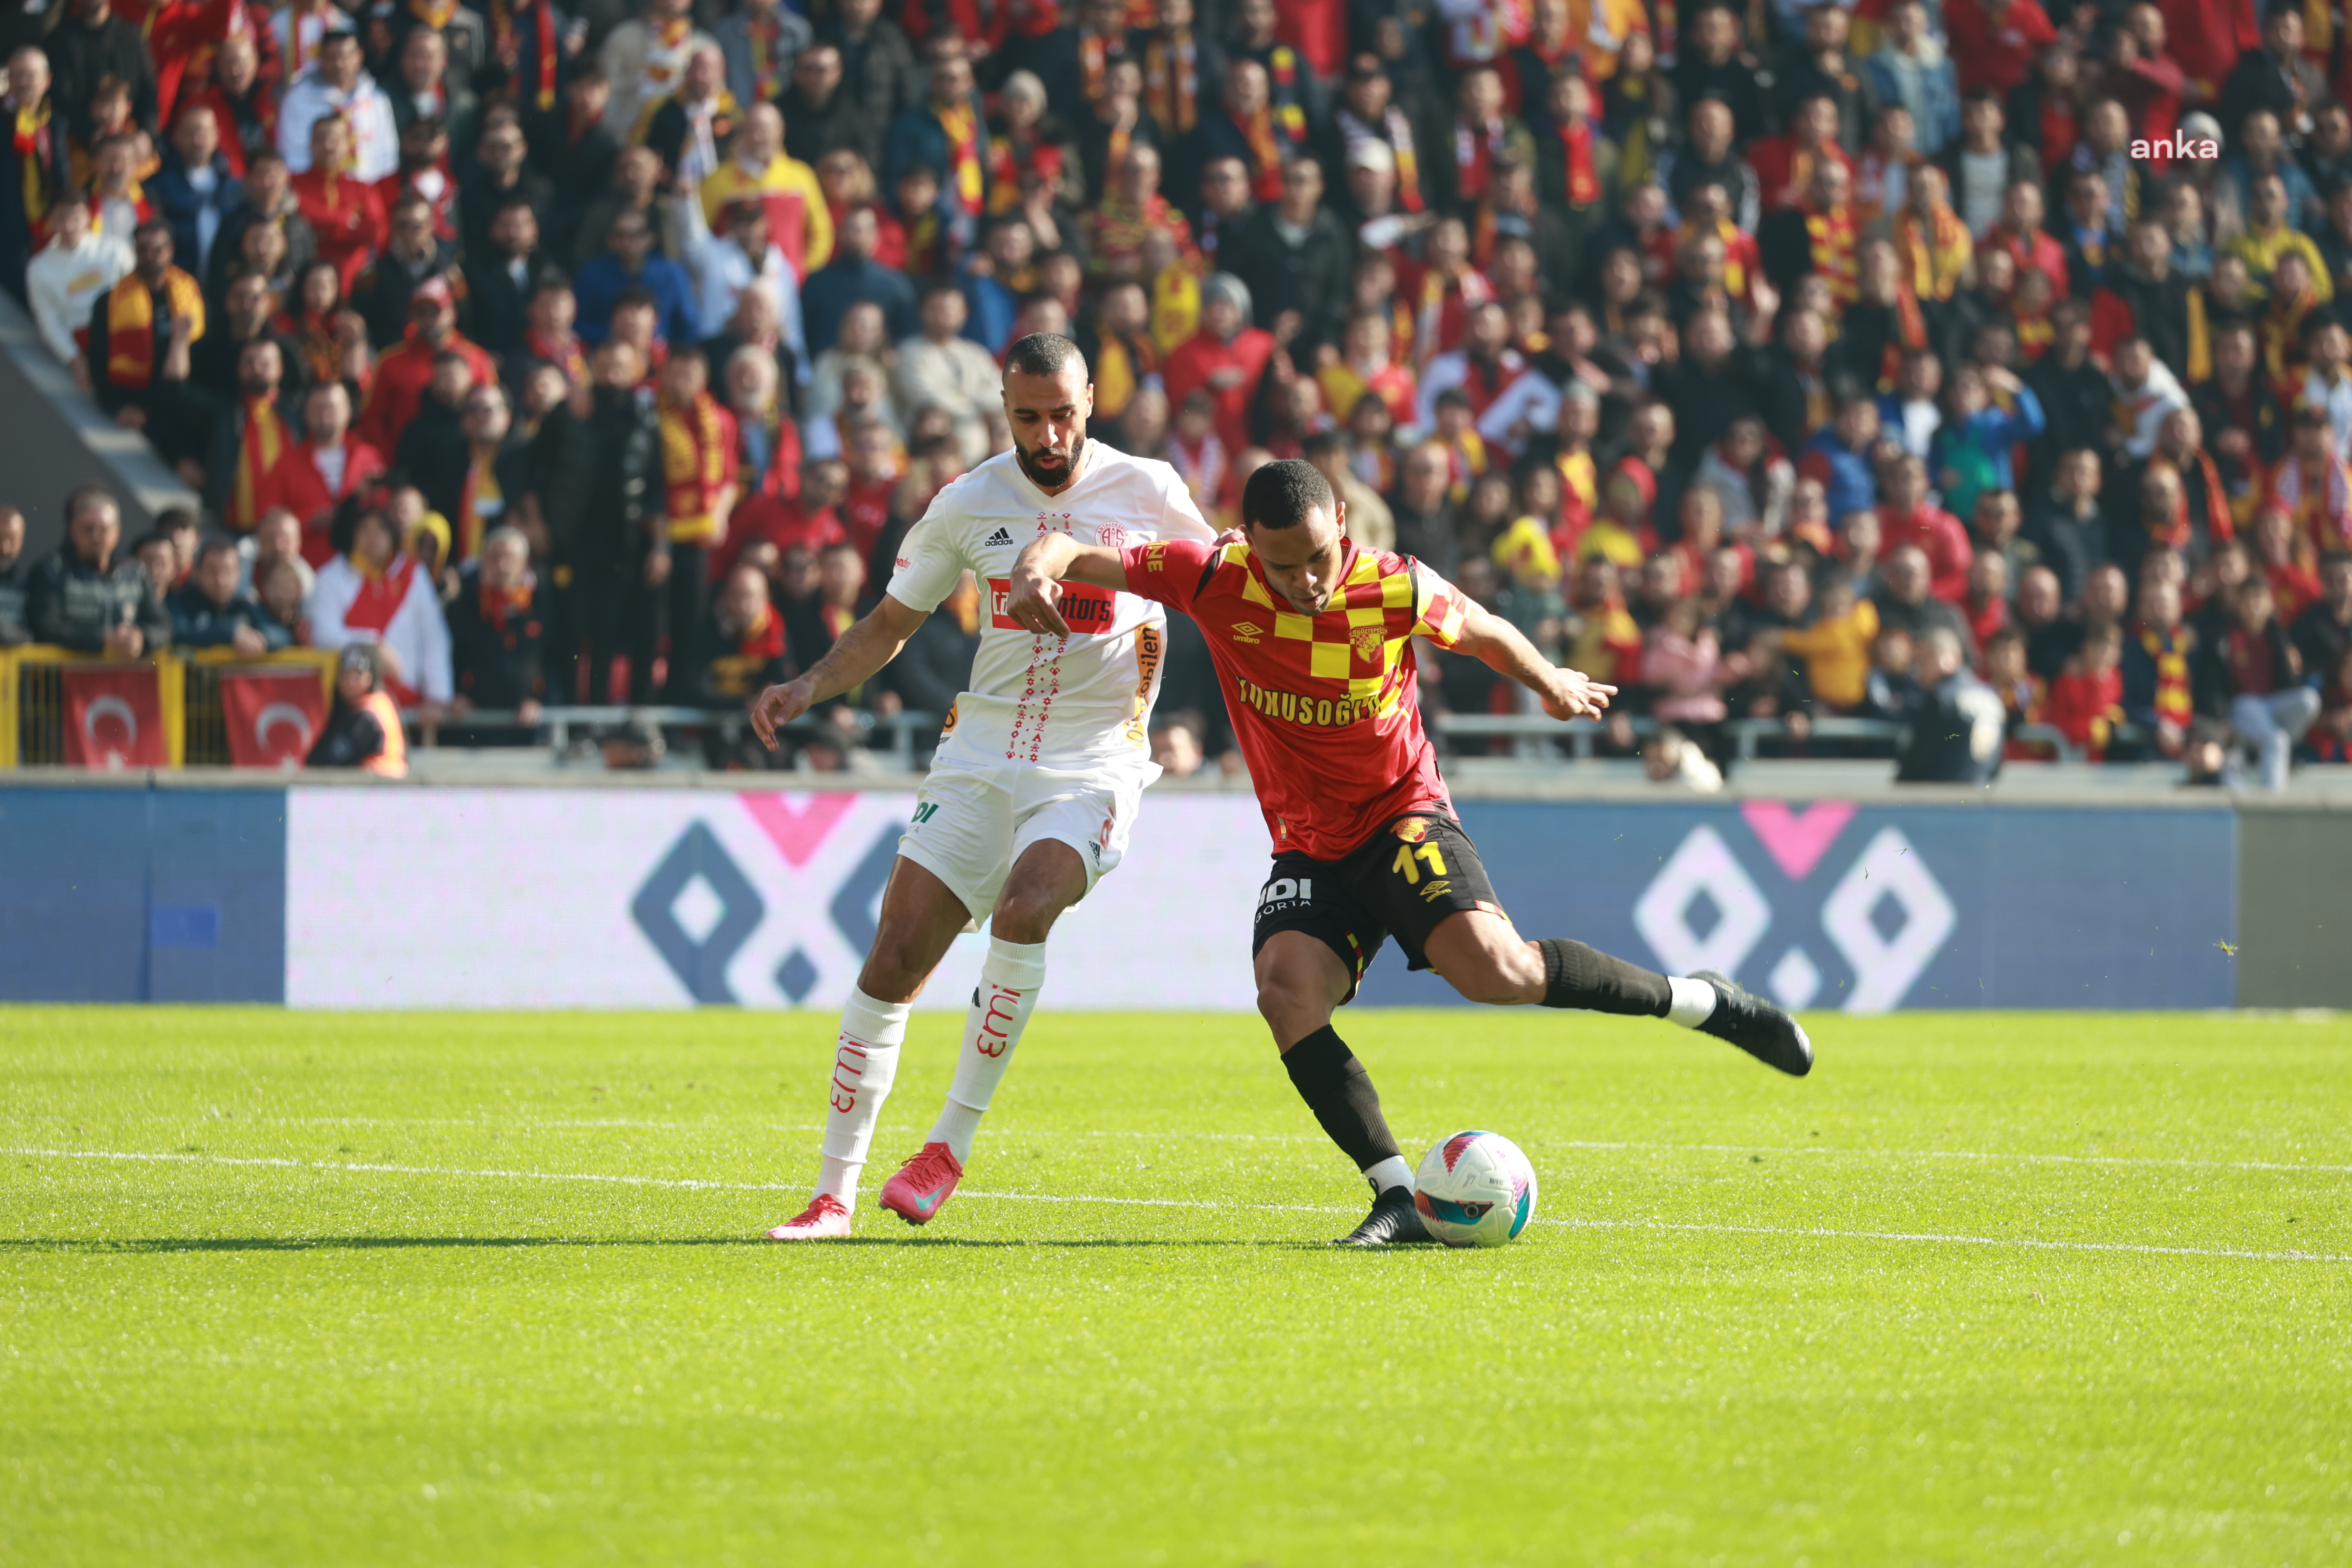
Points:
x=1832 y=237
x=1171 y=82
x=1934 y=256
x=694 y=467
x=130 y=324
x=767 y=70
x=257 y=458
x=1266 y=154
x=35 y=143
x=1576 y=152
x=2169 y=650
x=963 y=128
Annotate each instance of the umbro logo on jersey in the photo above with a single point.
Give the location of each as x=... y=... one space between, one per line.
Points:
x=999 y=537
x=1247 y=631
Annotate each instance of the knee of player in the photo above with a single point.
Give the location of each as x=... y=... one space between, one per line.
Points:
x=1024 y=916
x=1287 y=1004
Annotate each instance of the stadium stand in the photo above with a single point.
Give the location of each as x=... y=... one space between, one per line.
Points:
x=1808 y=372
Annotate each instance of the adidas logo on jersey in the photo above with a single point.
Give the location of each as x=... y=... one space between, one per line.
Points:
x=999 y=537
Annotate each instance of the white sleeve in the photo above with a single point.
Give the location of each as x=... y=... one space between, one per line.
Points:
x=930 y=558
x=1180 y=518
x=330 y=600
x=440 y=683
x=294 y=116
x=48 y=302
x=1531 y=397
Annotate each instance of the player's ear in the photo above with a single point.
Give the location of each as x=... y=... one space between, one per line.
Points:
x=1339 y=515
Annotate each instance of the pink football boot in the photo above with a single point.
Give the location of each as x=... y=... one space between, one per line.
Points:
x=923 y=1185
x=823 y=1220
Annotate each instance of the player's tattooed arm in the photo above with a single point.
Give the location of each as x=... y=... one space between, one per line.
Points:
x=1038 y=577
x=863 y=649
x=1566 y=693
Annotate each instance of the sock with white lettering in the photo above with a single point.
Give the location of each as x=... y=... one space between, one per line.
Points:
x=865 y=1060
x=1010 y=979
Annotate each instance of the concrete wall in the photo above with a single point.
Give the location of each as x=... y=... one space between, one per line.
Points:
x=2294 y=907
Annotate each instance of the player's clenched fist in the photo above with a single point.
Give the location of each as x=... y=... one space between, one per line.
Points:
x=1575 y=695
x=781 y=705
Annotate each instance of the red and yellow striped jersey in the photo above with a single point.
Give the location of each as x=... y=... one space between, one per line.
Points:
x=1327 y=707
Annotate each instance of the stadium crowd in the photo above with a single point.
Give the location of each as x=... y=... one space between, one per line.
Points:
x=1790 y=362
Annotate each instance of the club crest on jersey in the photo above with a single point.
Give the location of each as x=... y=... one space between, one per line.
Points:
x=1246 y=631
x=1413 y=829
x=1002 y=536
x=1367 y=641
x=1111 y=536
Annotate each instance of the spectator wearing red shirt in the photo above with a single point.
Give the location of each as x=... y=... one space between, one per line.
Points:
x=767 y=522
x=2020 y=232
x=1784 y=164
x=2207 y=37
x=345 y=212
x=2087 y=700
x=1907 y=517
x=1227 y=358
x=1994 y=41
x=327 y=468
x=403 y=373
x=864 y=510
x=244 y=104
x=1985 y=605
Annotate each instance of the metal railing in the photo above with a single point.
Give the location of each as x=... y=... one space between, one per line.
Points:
x=556 y=727
x=1747 y=734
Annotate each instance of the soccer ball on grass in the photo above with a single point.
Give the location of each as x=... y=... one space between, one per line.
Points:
x=1474 y=1189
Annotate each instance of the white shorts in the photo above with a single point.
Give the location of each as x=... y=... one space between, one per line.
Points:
x=973 y=821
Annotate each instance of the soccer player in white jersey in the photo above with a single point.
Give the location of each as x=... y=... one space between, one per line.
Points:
x=1036 y=784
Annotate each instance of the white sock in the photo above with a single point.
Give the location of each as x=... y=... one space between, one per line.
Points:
x=1009 y=981
x=1694 y=1001
x=1391 y=1171
x=865 y=1060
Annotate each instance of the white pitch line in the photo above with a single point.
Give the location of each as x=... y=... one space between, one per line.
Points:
x=685 y=1185
x=1816 y=1150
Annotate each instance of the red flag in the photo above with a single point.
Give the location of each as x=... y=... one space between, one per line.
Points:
x=272 y=717
x=114 y=717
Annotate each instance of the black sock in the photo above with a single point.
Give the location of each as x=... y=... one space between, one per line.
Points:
x=1576 y=975
x=1339 y=1092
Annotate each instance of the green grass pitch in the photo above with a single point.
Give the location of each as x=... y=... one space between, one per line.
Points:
x=441 y=1290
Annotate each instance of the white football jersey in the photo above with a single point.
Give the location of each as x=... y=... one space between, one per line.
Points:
x=1087 y=697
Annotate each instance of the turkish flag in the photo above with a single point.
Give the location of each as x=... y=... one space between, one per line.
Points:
x=273 y=717
x=114 y=717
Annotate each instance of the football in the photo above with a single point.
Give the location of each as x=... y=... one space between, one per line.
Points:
x=1474 y=1189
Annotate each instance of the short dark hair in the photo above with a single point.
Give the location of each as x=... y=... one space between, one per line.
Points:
x=1280 y=494
x=1042 y=354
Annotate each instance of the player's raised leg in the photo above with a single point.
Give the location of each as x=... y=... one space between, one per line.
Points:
x=1483 y=957
x=920 y=916
x=1047 y=878
x=1301 y=980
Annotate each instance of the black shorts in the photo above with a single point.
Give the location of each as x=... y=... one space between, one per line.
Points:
x=1399 y=882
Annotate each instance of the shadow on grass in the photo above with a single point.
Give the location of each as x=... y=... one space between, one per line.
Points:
x=95 y=1245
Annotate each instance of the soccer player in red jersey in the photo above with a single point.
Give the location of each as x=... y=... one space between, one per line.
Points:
x=1313 y=638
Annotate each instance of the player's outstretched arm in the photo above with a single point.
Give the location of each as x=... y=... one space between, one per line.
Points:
x=1034 y=600
x=1566 y=693
x=864 y=648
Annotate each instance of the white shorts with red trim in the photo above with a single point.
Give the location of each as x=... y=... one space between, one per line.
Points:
x=973 y=821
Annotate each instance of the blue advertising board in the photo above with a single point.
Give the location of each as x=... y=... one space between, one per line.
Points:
x=1870 y=907
x=129 y=895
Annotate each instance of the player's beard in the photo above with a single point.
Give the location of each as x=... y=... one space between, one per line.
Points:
x=1048 y=478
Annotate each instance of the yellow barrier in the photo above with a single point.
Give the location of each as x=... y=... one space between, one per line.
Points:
x=187 y=689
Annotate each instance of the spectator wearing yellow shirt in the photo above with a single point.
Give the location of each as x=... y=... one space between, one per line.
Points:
x=1836 y=646
x=2268 y=235
x=800 y=222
